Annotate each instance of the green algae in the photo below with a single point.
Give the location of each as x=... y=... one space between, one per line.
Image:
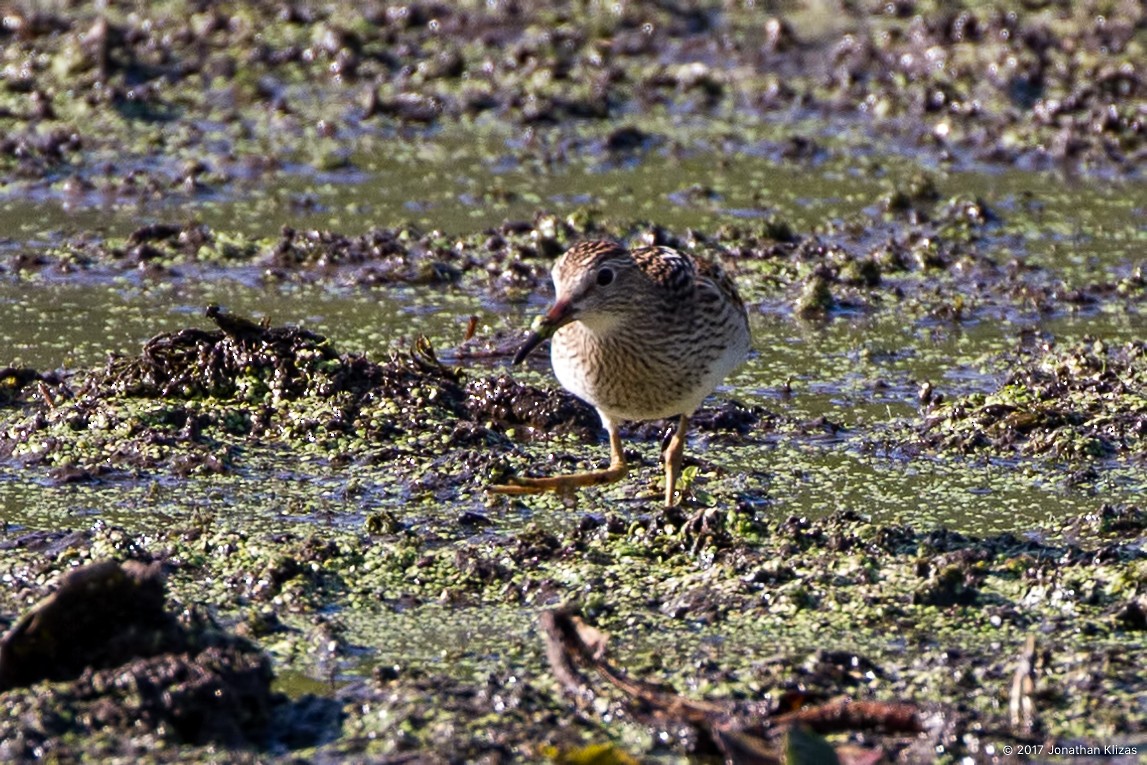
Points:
x=743 y=622
x=335 y=605
x=368 y=560
x=386 y=590
x=1050 y=83
x=1071 y=403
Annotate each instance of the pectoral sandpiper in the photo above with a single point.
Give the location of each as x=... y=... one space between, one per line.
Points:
x=639 y=334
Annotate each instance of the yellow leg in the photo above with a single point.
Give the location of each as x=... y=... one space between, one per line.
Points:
x=565 y=484
x=674 y=453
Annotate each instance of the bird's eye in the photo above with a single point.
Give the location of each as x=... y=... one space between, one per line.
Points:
x=605 y=277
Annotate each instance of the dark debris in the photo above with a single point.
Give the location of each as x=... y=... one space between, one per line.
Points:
x=121 y=661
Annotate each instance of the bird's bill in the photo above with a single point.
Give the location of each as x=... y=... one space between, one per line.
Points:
x=543 y=328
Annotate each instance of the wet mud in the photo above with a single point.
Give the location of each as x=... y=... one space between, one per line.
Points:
x=1035 y=84
x=192 y=396
x=306 y=565
x=799 y=582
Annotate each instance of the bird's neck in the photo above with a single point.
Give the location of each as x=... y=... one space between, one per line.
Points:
x=599 y=324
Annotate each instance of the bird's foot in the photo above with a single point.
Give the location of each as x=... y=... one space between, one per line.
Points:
x=560 y=484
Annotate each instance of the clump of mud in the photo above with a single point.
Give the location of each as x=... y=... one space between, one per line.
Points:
x=191 y=396
x=102 y=654
x=1079 y=402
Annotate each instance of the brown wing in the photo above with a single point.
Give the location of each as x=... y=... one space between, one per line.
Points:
x=669 y=269
x=715 y=275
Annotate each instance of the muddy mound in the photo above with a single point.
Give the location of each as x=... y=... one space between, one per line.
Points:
x=1077 y=402
x=190 y=399
x=118 y=661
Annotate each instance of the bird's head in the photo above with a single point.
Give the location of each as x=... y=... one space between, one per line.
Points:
x=593 y=282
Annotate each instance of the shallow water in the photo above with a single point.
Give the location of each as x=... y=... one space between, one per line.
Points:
x=859 y=371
